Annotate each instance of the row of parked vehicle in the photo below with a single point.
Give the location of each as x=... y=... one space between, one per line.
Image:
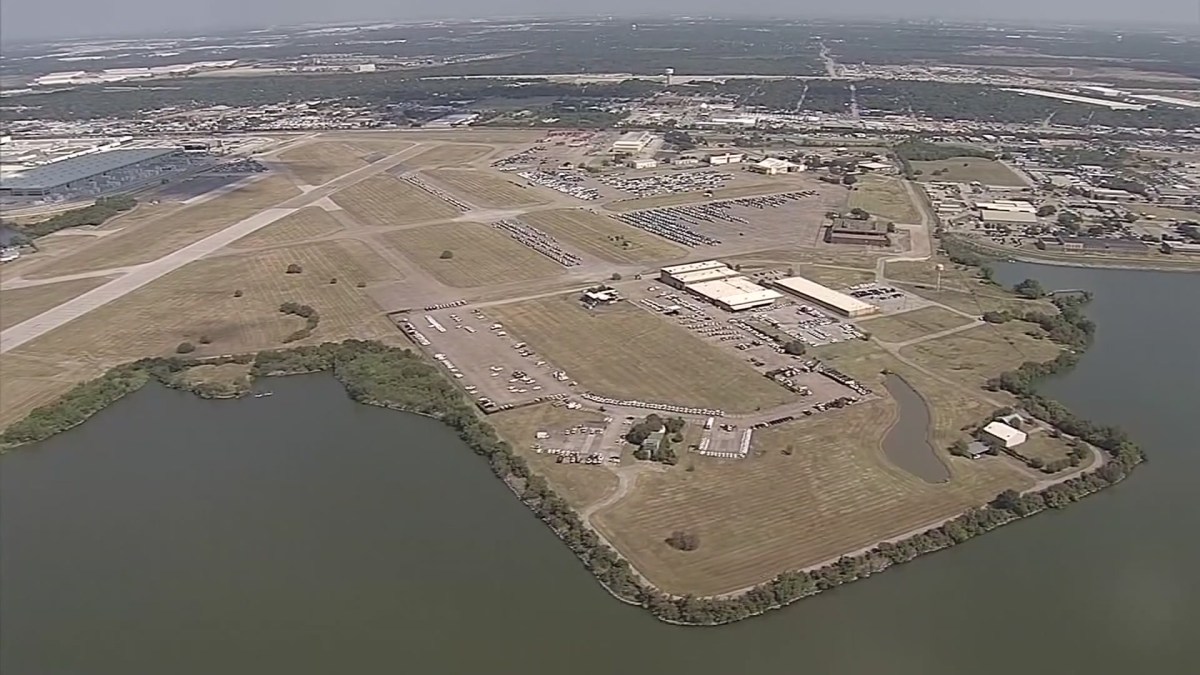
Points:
x=539 y=241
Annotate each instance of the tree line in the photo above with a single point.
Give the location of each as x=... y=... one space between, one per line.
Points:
x=94 y=215
x=311 y=319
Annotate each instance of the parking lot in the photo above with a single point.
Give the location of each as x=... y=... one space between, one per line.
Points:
x=496 y=370
x=889 y=299
x=666 y=182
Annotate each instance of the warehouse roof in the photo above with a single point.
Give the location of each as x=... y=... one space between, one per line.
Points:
x=693 y=267
x=78 y=168
x=1023 y=217
x=857 y=226
x=824 y=294
x=700 y=276
x=735 y=292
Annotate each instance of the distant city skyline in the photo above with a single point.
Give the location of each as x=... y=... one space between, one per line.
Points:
x=23 y=20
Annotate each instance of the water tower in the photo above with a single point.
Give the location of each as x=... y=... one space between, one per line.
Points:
x=669 y=73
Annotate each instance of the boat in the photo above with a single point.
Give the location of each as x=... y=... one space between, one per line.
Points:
x=262 y=394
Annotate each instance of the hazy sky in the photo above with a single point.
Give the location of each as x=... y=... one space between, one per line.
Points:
x=32 y=19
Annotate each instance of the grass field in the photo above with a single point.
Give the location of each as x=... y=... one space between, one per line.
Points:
x=914 y=324
x=143 y=212
x=973 y=356
x=19 y=304
x=732 y=192
x=448 y=154
x=968 y=170
x=198 y=300
x=772 y=512
x=597 y=235
x=367 y=146
x=834 y=277
x=625 y=352
x=482 y=255
x=884 y=198
x=385 y=200
x=307 y=223
x=154 y=239
x=578 y=484
x=983 y=299
x=29 y=381
x=321 y=162
x=482 y=188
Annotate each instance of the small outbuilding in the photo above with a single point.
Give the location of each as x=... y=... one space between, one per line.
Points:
x=1003 y=435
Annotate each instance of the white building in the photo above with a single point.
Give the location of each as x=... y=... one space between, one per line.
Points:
x=773 y=166
x=826 y=297
x=632 y=142
x=734 y=294
x=641 y=163
x=726 y=158
x=1005 y=436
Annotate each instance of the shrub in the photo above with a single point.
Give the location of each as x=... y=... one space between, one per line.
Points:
x=333 y=280
x=204 y=340
x=446 y=255
x=361 y=284
x=237 y=293
x=683 y=541
x=294 y=269
x=185 y=348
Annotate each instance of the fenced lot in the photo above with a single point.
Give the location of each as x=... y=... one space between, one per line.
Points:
x=478 y=255
x=321 y=162
x=811 y=490
x=485 y=189
x=625 y=352
x=385 y=200
x=307 y=223
x=603 y=237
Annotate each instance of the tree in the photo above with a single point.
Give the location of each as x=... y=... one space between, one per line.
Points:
x=293 y=268
x=959 y=448
x=185 y=348
x=333 y=280
x=237 y=293
x=615 y=276
x=204 y=340
x=1029 y=289
x=361 y=284
x=1046 y=210
x=446 y=255
x=849 y=180
x=1069 y=219
x=795 y=348
x=789 y=449
x=859 y=214
x=682 y=540
x=891 y=228
x=674 y=425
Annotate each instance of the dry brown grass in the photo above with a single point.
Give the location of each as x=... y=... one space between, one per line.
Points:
x=755 y=518
x=27 y=382
x=142 y=213
x=366 y=146
x=486 y=189
x=385 y=200
x=967 y=170
x=580 y=485
x=310 y=222
x=834 y=277
x=320 y=162
x=198 y=300
x=156 y=238
x=481 y=255
x=19 y=304
x=598 y=235
x=624 y=352
x=1044 y=447
x=884 y=198
x=975 y=355
x=448 y=154
x=914 y=324
x=984 y=299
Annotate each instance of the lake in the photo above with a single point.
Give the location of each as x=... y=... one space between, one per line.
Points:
x=303 y=533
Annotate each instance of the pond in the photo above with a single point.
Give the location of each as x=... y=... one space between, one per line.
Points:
x=907 y=443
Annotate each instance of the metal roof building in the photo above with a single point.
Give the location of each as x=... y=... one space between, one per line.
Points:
x=39 y=180
x=735 y=293
x=1005 y=435
x=826 y=297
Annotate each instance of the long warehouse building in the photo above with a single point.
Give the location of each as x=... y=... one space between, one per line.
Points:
x=826 y=297
x=735 y=294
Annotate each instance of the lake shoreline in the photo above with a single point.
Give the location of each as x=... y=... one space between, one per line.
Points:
x=629 y=586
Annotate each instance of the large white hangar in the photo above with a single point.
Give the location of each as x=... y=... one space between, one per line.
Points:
x=735 y=294
x=835 y=301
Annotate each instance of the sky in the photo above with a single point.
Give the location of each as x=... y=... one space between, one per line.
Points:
x=40 y=19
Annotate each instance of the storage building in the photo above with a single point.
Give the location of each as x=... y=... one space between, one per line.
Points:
x=734 y=294
x=994 y=218
x=773 y=166
x=642 y=163
x=1003 y=435
x=826 y=297
x=632 y=142
x=1174 y=247
x=675 y=275
x=854 y=231
x=726 y=158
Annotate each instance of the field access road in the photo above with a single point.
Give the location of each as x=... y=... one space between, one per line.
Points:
x=140 y=275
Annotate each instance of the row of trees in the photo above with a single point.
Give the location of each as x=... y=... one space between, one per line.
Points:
x=1069 y=327
x=96 y=214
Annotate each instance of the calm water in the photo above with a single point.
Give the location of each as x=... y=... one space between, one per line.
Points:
x=305 y=534
x=907 y=442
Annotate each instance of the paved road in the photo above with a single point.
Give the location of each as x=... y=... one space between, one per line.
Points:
x=141 y=275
